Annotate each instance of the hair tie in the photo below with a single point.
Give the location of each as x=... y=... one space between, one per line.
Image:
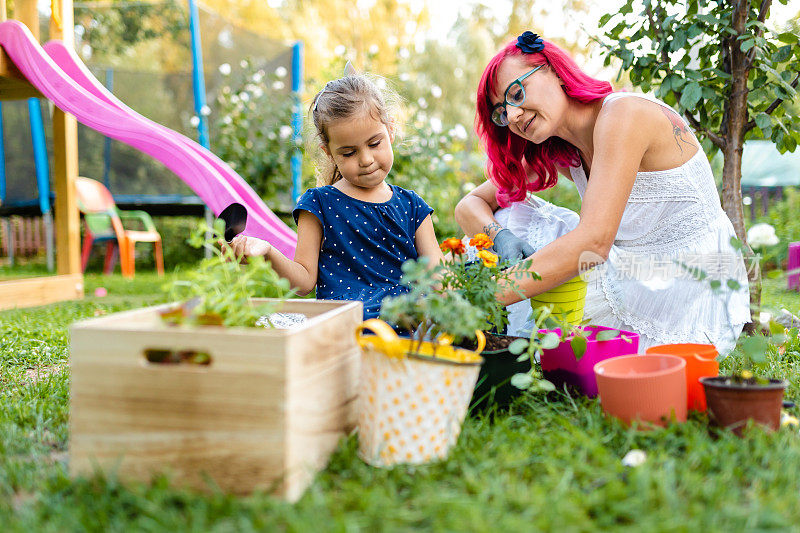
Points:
x=530 y=43
x=349 y=69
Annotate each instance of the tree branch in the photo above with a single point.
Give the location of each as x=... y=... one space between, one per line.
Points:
x=762 y=16
x=774 y=105
x=658 y=27
x=762 y=13
x=717 y=140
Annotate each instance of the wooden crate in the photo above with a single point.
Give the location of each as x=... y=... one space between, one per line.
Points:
x=266 y=413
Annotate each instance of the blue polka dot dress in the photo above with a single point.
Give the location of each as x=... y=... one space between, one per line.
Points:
x=363 y=243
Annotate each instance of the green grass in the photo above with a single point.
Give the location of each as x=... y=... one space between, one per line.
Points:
x=549 y=463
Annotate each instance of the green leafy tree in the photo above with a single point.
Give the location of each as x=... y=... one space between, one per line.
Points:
x=727 y=72
x=115 y=30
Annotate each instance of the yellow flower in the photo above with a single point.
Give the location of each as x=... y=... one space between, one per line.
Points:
x=746 y=374
x=481 y=241
x=789 y=420
x=454 y=245
x=489 y=259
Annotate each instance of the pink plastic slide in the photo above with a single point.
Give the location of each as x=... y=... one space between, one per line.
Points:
x=60 y=76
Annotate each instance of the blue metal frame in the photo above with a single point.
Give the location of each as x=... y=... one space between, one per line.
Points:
x=40 y=154
x=297 y=118
x=198 y=80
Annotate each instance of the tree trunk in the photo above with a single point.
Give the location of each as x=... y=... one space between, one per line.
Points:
x=734 y=130
x=732 y=204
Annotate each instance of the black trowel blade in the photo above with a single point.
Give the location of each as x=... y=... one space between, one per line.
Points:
x=235 y=218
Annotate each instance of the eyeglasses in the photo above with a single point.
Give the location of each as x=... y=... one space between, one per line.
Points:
x=514 y=96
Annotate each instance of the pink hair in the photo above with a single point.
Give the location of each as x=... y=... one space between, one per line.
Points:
x=511 y=158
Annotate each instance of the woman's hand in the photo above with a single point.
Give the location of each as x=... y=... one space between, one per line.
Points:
x=244 y=247
x=511 y=248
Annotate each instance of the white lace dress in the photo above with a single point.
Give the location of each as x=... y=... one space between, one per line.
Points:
x=673 y=217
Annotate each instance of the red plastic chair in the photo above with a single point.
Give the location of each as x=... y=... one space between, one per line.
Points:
x=104 y=223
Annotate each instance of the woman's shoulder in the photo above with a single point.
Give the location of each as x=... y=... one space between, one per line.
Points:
x=632 y=108
x=635 y=117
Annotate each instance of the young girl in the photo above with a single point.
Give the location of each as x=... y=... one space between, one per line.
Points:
x=354 y=230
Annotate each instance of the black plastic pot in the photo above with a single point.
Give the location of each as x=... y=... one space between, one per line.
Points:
x=732 y=405
x=494 y=381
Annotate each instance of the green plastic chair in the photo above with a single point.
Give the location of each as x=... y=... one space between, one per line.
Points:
x=105 y=223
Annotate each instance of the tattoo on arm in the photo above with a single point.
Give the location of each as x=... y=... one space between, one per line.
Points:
x=494 y=226
x=679 y=127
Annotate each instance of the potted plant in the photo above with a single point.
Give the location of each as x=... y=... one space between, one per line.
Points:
x=198 y=389
x=747 y=393
x=478 y=279
x=415 y=392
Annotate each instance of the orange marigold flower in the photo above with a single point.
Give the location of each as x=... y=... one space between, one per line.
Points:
x=489 y=259
x=454 y=245
x=481 y=241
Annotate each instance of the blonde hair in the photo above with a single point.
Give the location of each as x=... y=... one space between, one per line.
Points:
x=342 y=99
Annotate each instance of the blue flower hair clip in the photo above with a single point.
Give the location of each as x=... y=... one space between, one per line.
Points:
x=530 y=43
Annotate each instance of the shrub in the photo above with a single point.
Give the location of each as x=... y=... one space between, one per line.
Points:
x=439 y=166
x=783 y=217
x=253 y=131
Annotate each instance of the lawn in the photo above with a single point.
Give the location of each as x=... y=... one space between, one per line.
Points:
x=550 y=463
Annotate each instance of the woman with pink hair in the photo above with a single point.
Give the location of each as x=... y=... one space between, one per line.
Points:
x=650 y=207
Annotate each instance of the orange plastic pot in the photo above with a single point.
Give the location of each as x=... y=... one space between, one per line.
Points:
x=700 y=363
x=645 y=388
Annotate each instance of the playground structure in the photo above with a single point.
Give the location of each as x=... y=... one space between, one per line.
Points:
x=54 y=71
x=68 y=283
x=180 y=70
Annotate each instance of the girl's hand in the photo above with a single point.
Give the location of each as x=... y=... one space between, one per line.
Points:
x=244 y=247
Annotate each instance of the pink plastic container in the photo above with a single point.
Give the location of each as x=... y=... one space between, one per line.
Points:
x=560 y=367
x=792 y=265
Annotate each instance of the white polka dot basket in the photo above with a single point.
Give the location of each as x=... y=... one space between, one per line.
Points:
x=412 y=398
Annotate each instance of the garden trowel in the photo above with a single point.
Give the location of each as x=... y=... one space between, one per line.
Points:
x=235 y=218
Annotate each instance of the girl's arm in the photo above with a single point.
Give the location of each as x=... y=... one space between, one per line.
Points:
x=426 y=243
x=302 y=272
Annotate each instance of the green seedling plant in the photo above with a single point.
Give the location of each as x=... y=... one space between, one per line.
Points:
x=578 y=337
x=426 y=311
x=220 y=290
x=548 y=332
x=528 y=349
